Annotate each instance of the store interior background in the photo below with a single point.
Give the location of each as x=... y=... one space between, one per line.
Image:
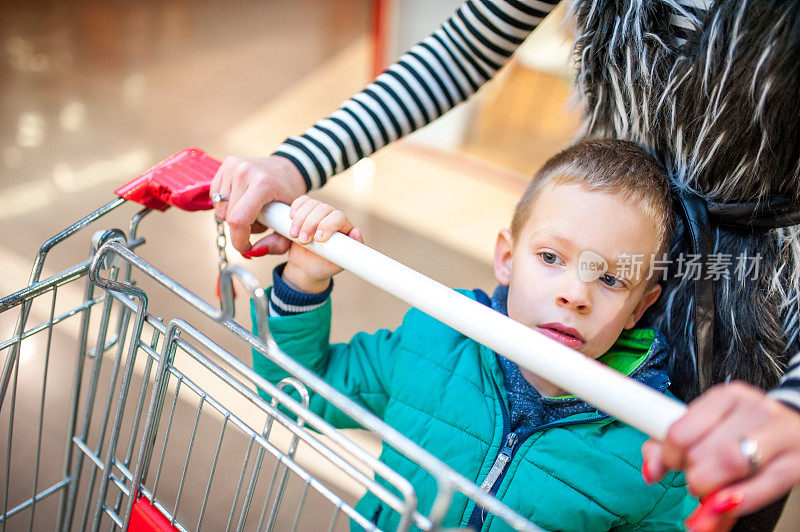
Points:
x=94 y=93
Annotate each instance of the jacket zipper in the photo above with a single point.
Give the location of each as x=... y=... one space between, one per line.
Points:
x=501 y=461
x=506 y=454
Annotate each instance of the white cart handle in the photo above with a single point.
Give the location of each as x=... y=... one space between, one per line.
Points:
x=628 y=400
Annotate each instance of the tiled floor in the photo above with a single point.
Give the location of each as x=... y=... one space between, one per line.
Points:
x=93 y=93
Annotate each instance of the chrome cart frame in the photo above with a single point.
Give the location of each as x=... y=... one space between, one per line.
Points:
x=164 y=428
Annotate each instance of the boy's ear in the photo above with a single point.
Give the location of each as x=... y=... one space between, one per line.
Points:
x=647 y=300
x=502 y=257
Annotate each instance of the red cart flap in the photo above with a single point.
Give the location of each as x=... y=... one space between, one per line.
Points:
x=182 y=180
x=146 y=518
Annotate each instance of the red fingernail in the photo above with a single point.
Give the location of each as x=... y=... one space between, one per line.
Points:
x=646 y=475
x=725 y=503
x=694 y=522
x=256 y=252
x=691 y=522
x=703 y=519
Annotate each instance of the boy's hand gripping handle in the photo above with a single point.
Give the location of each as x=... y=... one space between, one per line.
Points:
x=628 y=400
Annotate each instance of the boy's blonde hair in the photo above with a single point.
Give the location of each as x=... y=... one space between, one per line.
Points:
x=614 y=166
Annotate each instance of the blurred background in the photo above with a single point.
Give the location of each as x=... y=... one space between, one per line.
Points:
x=94 y=93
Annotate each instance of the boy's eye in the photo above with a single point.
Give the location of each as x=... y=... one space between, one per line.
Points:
x=549 y=258
x=611 y=281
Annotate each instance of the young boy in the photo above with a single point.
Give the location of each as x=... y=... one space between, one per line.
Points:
x=567 y=268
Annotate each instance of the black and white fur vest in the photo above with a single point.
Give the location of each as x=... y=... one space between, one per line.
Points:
x=720 y=107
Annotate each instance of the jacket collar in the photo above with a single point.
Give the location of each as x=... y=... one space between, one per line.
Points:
x=640 y=353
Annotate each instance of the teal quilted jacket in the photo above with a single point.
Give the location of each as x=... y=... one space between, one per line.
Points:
x=445 y=392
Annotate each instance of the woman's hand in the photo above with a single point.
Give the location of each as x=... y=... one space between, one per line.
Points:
x=250 y=183
x=314 y=220
x=706 y=443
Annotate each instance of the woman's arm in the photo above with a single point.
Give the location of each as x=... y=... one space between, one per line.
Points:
x=788 y=391
x=435 y=75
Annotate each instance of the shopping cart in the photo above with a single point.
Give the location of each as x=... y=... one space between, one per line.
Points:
x=120 y=418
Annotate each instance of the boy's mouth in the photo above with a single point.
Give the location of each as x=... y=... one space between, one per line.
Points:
x=562 y=334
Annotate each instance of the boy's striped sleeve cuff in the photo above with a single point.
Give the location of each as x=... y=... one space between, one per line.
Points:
x=286 y=301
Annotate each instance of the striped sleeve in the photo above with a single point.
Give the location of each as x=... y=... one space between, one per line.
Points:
x=286 y=301
x=431 y=78
x=788 y=391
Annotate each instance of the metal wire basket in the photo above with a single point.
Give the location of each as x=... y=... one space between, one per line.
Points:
x=120 y=418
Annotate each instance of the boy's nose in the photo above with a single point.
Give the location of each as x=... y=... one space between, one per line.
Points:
x=574 y=296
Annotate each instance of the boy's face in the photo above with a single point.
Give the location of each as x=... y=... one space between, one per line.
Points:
x=547 y=289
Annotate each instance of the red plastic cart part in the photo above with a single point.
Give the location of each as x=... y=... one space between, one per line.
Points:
x=182 y=181
x=146 y=518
